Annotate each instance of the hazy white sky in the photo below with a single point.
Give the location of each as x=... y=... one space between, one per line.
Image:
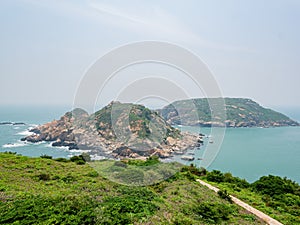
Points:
x=252 y=47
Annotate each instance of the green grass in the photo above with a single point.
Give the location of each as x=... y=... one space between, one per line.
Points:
x=46 y=191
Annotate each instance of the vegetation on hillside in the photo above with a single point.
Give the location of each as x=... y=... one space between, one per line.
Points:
x=49 y=191
x=240 y=112
x=278 y=197
x=141 y=121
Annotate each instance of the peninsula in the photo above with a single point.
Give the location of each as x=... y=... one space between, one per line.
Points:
x=239 y=112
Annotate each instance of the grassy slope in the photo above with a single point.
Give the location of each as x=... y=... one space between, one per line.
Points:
x=44 y=191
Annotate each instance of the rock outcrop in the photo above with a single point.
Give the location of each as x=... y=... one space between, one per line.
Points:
x=118 y=130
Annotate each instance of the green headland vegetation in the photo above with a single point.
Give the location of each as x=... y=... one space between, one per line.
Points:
x=71 y=191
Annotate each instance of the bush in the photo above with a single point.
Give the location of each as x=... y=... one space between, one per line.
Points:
x=224 y=195
x=152 y=160
x=190 y=176
x=215 y=176
x=86 y=157
x=213 y=212
x=62 y=160
x=79 y=160
x=275 y=185
x=134 y=204
x=45 y=210
x=194 y=170
x=9 y=152
x=68 y=179
x=46 y=156
x=93 y=174
x=218 y=177
x=43 y=176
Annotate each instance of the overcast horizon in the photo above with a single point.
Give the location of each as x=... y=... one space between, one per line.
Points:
x=252 y=48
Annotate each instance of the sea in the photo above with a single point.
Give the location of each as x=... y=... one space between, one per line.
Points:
x=248 y=153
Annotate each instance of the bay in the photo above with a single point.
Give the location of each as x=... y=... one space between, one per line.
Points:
x=253 y=152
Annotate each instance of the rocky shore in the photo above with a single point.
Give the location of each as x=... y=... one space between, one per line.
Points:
x=79 y=130
x=12 y=123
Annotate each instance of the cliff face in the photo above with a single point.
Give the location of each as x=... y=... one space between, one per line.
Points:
x=119 y=130
x=240 y=112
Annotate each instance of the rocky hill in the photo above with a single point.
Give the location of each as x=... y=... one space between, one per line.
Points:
x=240 y=112
x=118 y=130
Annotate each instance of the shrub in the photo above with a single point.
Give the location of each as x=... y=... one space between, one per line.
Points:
x=79 y=160
x=46 y=156
x=62 y=160
x=134 y=204
x=213 y=212
x=190 y=176
x=45 y=210
x=86 y=157
x=93 y=174
x=9 y=152
x=275 y=185
x=223 y=194
x=152 y=160
x=68 y=179
x=194 y=170
x=215 y=176
x=43 y=176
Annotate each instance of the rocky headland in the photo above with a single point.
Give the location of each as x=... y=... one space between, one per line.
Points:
x=119 y=130
x=237 y=112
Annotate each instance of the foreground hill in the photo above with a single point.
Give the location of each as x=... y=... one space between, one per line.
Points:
x=45 y=191
x=118 y=130
x=60 y=191
x=240 y=112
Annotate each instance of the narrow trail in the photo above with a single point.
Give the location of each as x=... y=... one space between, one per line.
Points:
x=249 y=208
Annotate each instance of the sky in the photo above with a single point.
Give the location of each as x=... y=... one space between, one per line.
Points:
x=251 y=47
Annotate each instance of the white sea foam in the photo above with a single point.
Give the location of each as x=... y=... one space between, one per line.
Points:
x=79 y=151
x=49 y=145
x=25 y=133
x=61 y=147
x=38 y=143
x=14 y=145
x=97 y=157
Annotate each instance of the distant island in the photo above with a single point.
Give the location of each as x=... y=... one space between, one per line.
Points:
x=126 y=130
x=240 y=112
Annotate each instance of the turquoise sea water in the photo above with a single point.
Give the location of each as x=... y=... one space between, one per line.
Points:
x=245 y=152
x=253 y=152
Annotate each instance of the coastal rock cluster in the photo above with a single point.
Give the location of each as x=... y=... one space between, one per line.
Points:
x=118 y=130
x=12 y=123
